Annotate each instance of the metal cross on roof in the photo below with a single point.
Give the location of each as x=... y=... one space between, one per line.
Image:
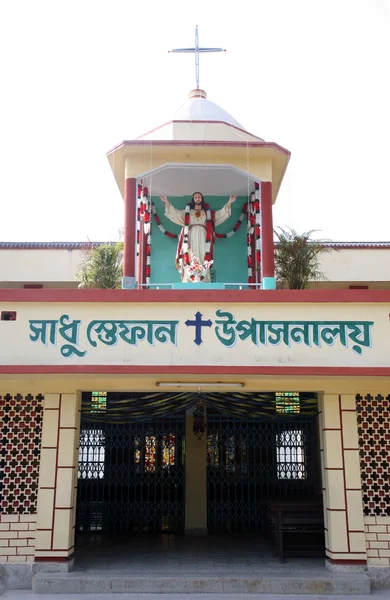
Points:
x=196 y=50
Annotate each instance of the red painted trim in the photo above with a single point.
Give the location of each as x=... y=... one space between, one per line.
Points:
x=341 y=561
x=203 y=143
x=331 y=429
x=267 y=231
x=194 y=370
x=59 y=549
x=130 y=201
x=196 y=296
x=53 y=558
x=344 y=479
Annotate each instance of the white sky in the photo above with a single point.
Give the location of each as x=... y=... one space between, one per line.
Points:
x=80 y=76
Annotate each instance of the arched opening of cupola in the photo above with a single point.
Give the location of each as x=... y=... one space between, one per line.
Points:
x=235 y=262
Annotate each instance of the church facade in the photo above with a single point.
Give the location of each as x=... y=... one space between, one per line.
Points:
x=197 y=405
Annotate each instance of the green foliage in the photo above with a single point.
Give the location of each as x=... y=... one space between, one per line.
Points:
x=102 y=267
x=297 y=258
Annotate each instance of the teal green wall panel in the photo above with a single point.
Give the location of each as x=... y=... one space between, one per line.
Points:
x=230 y=255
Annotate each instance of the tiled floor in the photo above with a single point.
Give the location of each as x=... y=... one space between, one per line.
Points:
x=192 y=555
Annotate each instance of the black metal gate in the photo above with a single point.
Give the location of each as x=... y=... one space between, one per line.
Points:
x=252 y=462
x=131 y=476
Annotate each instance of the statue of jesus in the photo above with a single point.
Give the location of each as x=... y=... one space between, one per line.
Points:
x=197 y=236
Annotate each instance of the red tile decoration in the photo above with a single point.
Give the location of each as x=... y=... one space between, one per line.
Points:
x=20 y=449
x=374 y=442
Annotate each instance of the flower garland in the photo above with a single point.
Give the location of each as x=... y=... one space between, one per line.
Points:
x=256 y=210
x=250 y=210
x=139 y=197
x=148 y=231
x=253 y=235
x=249 y=238
x=160 y=225
x=217 y=235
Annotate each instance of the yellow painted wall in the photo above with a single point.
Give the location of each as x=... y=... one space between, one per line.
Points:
x=356 y=265
x=58 y=476
x=58 y=268
x=342 y=497
x=261 y=168
x=39 y=266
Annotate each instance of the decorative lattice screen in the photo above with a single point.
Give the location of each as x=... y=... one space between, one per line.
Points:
x=374 y=442
x=20 y=447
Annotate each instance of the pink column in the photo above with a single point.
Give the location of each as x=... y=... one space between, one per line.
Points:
x=267 y=237
x=129 y=233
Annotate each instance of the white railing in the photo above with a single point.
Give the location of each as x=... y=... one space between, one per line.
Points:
x=170 y=286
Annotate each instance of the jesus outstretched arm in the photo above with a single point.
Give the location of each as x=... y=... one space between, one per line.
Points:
x=173 y=214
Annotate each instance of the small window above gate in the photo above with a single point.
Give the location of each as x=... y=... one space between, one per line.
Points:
x=287 y=403
x=98 y=402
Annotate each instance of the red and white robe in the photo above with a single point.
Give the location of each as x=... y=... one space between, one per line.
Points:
x=197 y=245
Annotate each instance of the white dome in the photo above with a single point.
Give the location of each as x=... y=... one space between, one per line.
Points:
x=198 y=108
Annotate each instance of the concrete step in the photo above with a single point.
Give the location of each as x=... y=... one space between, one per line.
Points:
x=236 y=584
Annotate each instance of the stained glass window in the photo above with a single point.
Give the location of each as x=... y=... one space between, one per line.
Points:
x=233 y=452
x=98 y=402
x=150 y=453
x=169 y=451
x=287 y=403
x=148 y=456
x=212 y=450
x=137 y=452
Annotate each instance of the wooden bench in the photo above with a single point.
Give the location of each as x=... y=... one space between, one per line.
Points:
x=297 y=528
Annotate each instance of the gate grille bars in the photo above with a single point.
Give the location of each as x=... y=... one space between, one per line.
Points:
x=131 y=477
x=251 y=462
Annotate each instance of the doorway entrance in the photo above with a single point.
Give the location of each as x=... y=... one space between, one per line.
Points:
x=252 y=463
x=130 y=475
x=257 y=449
